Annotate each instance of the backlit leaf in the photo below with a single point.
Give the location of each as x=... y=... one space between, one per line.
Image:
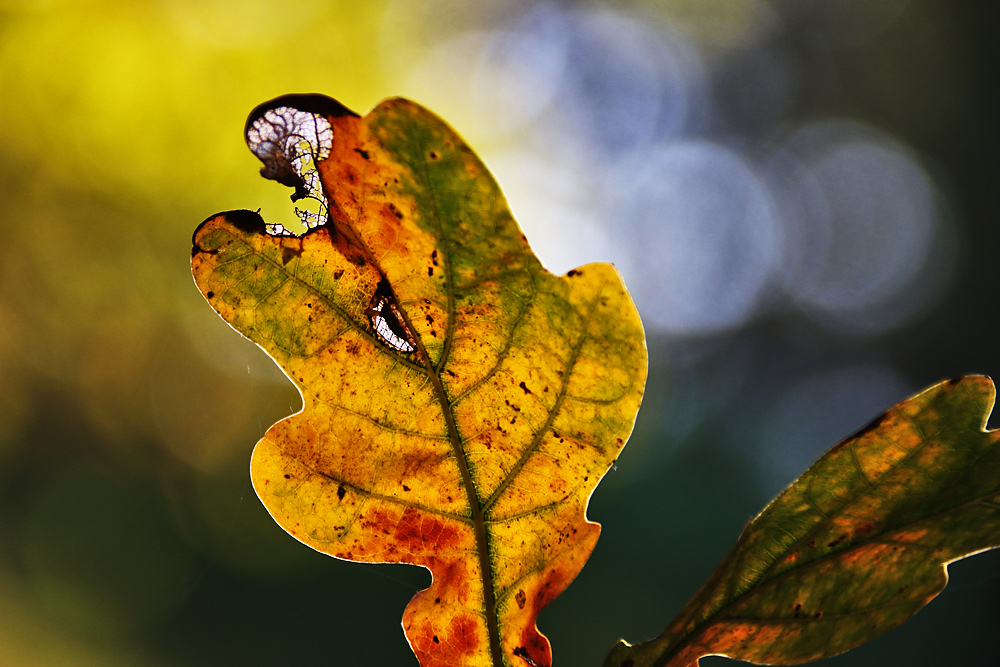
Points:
x=460 y=402
x=855 y=546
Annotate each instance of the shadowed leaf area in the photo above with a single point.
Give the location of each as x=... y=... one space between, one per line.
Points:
x=460 y=402
x=855 y=546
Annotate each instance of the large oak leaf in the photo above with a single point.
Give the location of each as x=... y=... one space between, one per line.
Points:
x=460 y=403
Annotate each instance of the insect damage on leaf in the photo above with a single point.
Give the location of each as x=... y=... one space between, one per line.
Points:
x=387 y=319
x=290 y=135
x=460 y=402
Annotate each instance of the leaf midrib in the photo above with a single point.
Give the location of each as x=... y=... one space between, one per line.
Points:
x=447 y=409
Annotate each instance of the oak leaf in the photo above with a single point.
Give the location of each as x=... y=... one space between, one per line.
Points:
x=857 y=545
x=460 y=403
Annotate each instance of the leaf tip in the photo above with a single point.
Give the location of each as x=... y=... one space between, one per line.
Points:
x=979 y=390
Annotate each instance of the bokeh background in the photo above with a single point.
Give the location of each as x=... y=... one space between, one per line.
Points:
x=801 y=195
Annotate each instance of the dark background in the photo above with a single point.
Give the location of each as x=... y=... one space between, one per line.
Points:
x=800 y=193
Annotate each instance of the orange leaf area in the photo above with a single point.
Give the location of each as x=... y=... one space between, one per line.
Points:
x=857 y=545
x=460 y=403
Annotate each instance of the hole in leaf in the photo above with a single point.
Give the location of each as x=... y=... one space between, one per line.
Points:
x=291 y=142
x=387 y=320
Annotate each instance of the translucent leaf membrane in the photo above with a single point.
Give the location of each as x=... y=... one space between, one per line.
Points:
x=291 y=135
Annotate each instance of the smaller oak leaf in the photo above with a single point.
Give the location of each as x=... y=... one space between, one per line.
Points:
x=855 y=546
x=460 y=403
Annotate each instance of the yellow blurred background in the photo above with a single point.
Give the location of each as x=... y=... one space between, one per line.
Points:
x=799 y=193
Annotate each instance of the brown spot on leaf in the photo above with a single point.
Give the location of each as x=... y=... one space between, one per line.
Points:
x=289 y=253
x=865 y=528
x=520 y=598
x=522 y=652
x=524 y=388
x=341 y=492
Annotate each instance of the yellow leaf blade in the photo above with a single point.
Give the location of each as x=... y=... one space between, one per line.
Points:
x=460 y=402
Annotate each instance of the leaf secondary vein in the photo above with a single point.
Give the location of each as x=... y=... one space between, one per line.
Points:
x=383 y=425
x=540 y=434
x=344 y=315
x=501 y=354
x=393 y=499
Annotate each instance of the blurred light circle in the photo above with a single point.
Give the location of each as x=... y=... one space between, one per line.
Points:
x=814 y=414
x=520 y=70
x=620 y=80
x=605 y=78
x=603 y=75
x=557 y=203
x=702 y=237
x=861 y=224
